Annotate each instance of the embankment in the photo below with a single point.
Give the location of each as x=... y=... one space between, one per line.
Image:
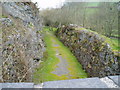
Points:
x=22 y=46
x=91 y=50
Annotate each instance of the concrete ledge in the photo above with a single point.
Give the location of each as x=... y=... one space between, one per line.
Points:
x=110 y=83
x=17 y=85
x=76 y=83
x=105 y=82
x=116 y=79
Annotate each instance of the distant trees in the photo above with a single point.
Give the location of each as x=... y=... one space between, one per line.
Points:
x=69 y=13
x=106 y=19
x=102 y=17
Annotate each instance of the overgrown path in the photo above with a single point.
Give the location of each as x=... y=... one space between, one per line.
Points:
x=59 y=64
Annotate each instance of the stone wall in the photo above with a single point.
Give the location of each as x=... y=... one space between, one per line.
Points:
x=22 y=45
x=91 y=50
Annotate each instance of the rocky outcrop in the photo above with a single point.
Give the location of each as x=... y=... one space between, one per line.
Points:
x=21 y=41
x=91 y=50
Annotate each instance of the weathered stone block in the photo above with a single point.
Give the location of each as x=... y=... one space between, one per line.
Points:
x=76 y=83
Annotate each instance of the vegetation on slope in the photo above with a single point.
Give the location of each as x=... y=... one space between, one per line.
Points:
x=113 y=42
x=91 y=49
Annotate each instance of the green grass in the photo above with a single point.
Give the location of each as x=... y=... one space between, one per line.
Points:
x=90 y=11
x=43 y=72
x=93 y=4
x=3 y=16
x=46 y=28
x=114 y=43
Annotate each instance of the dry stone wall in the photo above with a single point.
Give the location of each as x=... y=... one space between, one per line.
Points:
x=22 y=45
x=91 y=51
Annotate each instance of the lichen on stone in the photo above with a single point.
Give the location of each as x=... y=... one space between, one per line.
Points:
x=91 y=50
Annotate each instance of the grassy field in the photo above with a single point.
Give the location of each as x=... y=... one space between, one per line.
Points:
x=43 y=72
x=93 y=4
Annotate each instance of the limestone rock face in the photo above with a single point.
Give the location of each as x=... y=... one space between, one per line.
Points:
x=21 y=40
x=91 y=50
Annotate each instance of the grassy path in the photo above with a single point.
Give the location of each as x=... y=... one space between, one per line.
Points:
x=59 y=64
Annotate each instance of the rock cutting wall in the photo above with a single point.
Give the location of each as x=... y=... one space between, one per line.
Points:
x=91 y=51
x=22 y=46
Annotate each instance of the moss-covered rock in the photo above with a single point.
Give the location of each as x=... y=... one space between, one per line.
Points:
x=91 y=49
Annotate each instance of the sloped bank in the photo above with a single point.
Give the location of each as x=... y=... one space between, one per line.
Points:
x=91 y=50
x=22 y=45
